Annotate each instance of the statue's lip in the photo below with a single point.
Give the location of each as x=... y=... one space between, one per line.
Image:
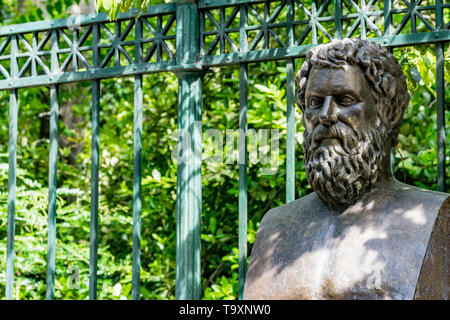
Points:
x=321 y=137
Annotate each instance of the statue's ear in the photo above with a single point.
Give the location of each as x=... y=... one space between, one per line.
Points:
x=300 y=100
x=301 y=83
x=301 y=79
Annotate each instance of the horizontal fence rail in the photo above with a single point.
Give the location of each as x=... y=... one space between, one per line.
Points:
x=278 y=30
x=188 y=37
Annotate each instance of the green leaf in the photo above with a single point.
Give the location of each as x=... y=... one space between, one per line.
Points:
x=212 y=224
x=108 y=5
x=263 y=88
x=415 y=74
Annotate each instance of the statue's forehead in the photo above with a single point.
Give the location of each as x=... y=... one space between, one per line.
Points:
x=331 y=80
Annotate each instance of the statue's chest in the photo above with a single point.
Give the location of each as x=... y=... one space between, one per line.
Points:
x=373 y=250
x=337 y=262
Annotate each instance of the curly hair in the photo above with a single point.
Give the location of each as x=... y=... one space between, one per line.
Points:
x=381 y=70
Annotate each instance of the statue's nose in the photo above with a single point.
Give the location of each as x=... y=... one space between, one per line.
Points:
x=327 y=116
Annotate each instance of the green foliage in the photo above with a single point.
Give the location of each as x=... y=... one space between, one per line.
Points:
x=16 y=12
x=113 y=7
x=415 y=164
x=416 y=153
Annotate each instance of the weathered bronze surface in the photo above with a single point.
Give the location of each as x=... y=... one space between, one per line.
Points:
x=361 y=234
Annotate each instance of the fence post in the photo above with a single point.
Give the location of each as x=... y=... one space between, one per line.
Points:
x=52 y=176
x=12 y=165
x=243 y=154
x=290 y=107
x=137 y=169
x=440 y=100
x=95 y=162
x=189 y=182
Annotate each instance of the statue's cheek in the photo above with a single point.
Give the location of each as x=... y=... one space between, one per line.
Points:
x=308 y=119
x=309 y=115
x=357 y=115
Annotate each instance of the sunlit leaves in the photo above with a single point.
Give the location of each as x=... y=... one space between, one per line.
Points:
x=114 y=7
x=416 y=153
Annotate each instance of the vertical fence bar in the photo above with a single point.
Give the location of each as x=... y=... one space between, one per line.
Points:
x=243 y=197
x=290 y=123
x=12 y=162
x=52 y=185
x=392 y=153
x=313 y=24
x=137 y=187
x=52 y=174
x=189 y=179
x=362 y=22
x=412 y=20
x=13 y=111
x=137 y=171
x=243 y=111
x=95 y=159
x=243 y=126
x=387 y=17
x=440 y=92
x=290 y=110
x=189 y=190
x=387 y=32
x=202 y=37
x=337 y=19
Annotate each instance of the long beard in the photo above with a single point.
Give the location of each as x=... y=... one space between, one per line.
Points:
x=342 y=172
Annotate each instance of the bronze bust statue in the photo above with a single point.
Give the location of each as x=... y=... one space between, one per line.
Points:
x=361 y=234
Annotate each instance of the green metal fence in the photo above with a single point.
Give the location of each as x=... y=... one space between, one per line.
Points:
x=187 y=37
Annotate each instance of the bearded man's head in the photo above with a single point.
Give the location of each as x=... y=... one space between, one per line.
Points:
x=353 y=96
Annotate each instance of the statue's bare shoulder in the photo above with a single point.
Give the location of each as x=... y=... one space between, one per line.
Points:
x=292 y=219
x=297 y=209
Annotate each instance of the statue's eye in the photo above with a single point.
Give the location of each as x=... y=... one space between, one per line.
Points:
x=347 y=100
x=315 y=102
